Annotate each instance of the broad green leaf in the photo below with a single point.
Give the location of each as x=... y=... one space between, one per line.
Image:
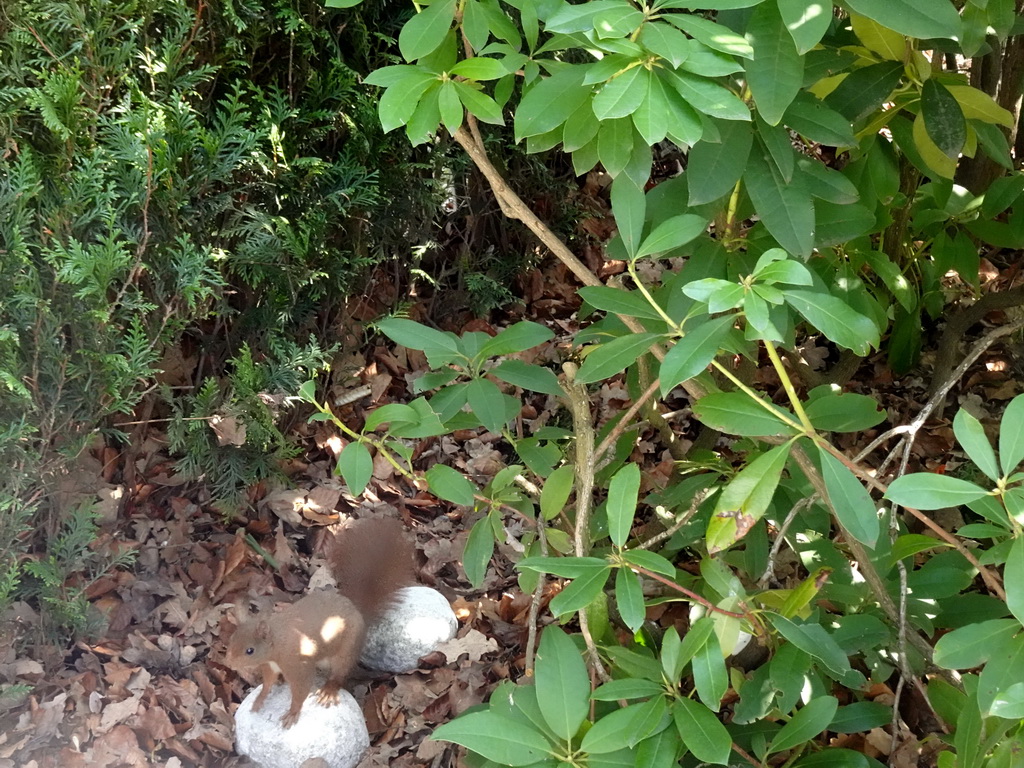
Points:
x=849 y=500
x=712 y=170
x=617 y=22
x=812 y=119
x=623 y=728
x=978 y=105
x=781 y=270
x=786 y=210
x=1011 y=435
x=478 y=552
x=885 y=42
x=826 y=184
x=355 y=465
x=694 y=352
x=425 y=31
x=562 y=683
x=863 y=90
x=737 y=414
x=672 y=233
x=683 y=123
x=943 y=118
x=837 y=224
x=566 y=567
x=893 y=278
x=1013 y=579
x=835 y=318
x=516 y=338
x=701 y=732
x=1003 y=672
x=936 y=18
x=713 y=35
x=709 y=673
x=778 y=148
x=487 y=403
x=629 y=598
x=973 y=645
x=621 y=95
x=619 y=301
x=651 y=115
x=580 y=593
x=744 y=500
x=341 y=3
x=622 y=500
x=665 y=41
x=812 y=639
x=683 y=652
x=497 y=738
x=580 y=18
x=398 y=103
x=450 y=485
x=425 y=117
x=777 y=69
x=480 y=68
x=937 y=163
x=532 y=377
x=706 y=96
x=550 y=102
x=556 y=490
x=613 y=356
x=479 y=104
x=806 y=20
x=972 y=437
x=629 y=208
x=924 y=490
x=450 y=106
x=800 y=596
x=392 y=75
x=627 y=688
x=652 y=561
x=415 y=335
x=860 y=716
x=807 y=723
x=580 y=128
x=1001 y=194
x=909 y=544
x=1008 y=703
x=837 y=411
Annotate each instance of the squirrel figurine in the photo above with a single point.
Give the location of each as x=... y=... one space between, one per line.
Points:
x=372 y=561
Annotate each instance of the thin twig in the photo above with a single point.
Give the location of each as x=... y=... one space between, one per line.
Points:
x=681 y=521
x=620 y=427
x=780 y=538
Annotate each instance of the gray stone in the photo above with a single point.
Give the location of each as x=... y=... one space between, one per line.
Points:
x=336 y=734
x=420 y=619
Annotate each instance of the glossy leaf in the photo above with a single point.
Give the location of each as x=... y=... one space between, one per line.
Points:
x=937 y=18
x=814 y=120
x=924 y=490
x=497 y=738
x=425 y=31
x=943 y=118
x=713 y=169
x=415 y=335
x=450 y=485
x=849 y=500
x=702 y=732
x=555 y=493
x=863 y=90
x=1013 y=578
x=973 y=645
x=580 y=593
x=786 y=210
x=550 y=102
x=527 y=376
x=615 y=355
x=971 y=435
x=629 y=208
x=745 y=499
x=562 y=683
x=478 y=552
x=672 y=233
x=622 y=500
x=709 y=673
x=627 y=688
x=619 y=301
x=837 y=411
x=694 y=352
x=737 y=414
x=835 y=318
x=806 y=20
x=488 y=403
x=623 y=728
x=516 y=338
x=629 y=598
x=355 y=465
x=807 y=723
x=713 y=35
x=776 y=72
x=1011 y=434
x=812 y=639
x=621 y=95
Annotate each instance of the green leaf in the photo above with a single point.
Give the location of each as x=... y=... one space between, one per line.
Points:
x=497 y=738
x=909 y=544
x=883 y=41
x=972 y=437
x=652 y=561
x=583 y=591
x=450 y=106
x=672 y=233
x=806 y=20
x=1013 y=579
x=341 y=3
x=712 y=170
x=415 y=335
x=627 y=688
x=399 y=103
x=812 y=639
x=556 y=490
x=665 y=41
x=701 y=732
x=566 y=567
x=937 y=18
x=479 y=68
x=487 y=403
x=629 y=207
x=860 y=716
x=450 y=485
x=924 y=490
x=837 y=411
x=621 y=95
x=1011 y=434
x=807 y=723
x=745 y=499
x=786 y=210
x=938 y=164
x=623 y=728
x=776 y=72
x=550 y=102
x=629 y=598
x=479 y=104
x=863 y=90
x=622 y=500
x=619 y=301
x=817 y=122
x=850 y=500
x=613 y=356
x=532 y=377
x=694 y=352
x=978 y=105
x=835 y=318
x=516 y=338
x=478 y=551
x=737 y=414
x=893 y=278
x=709 y=673
x=355 y=466
x=562 y=683
x=973 y=645
x=1001 y=194
x=1002 y=676
x=651 y=115
x=308 y=391
x=706 y=96
x=713 y=35
x=943 y=118
x=425 y=31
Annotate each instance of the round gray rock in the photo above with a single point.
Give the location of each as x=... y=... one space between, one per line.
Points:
x=336 y=734
x=419 y=620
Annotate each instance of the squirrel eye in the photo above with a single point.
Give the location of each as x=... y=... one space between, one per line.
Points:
x=250 y=651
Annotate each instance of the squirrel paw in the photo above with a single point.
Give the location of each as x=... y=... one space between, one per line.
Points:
x=328 y=694
x=289 y=719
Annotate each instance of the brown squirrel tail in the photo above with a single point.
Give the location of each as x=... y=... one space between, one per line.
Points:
x=372 y=559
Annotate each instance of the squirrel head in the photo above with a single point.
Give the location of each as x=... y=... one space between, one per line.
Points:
x=249 y=644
